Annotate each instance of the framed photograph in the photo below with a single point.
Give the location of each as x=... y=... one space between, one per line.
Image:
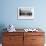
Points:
x=25 y=13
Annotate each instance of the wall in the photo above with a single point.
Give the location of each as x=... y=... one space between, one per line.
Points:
x=9 y=13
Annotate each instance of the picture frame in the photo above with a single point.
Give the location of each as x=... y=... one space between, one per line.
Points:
x=25 y=13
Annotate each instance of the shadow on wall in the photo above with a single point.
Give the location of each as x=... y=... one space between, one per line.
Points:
x=2 y=26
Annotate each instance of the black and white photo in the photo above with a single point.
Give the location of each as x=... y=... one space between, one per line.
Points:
x=25 y=13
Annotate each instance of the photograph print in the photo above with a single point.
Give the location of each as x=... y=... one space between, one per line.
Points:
x=25 y=13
